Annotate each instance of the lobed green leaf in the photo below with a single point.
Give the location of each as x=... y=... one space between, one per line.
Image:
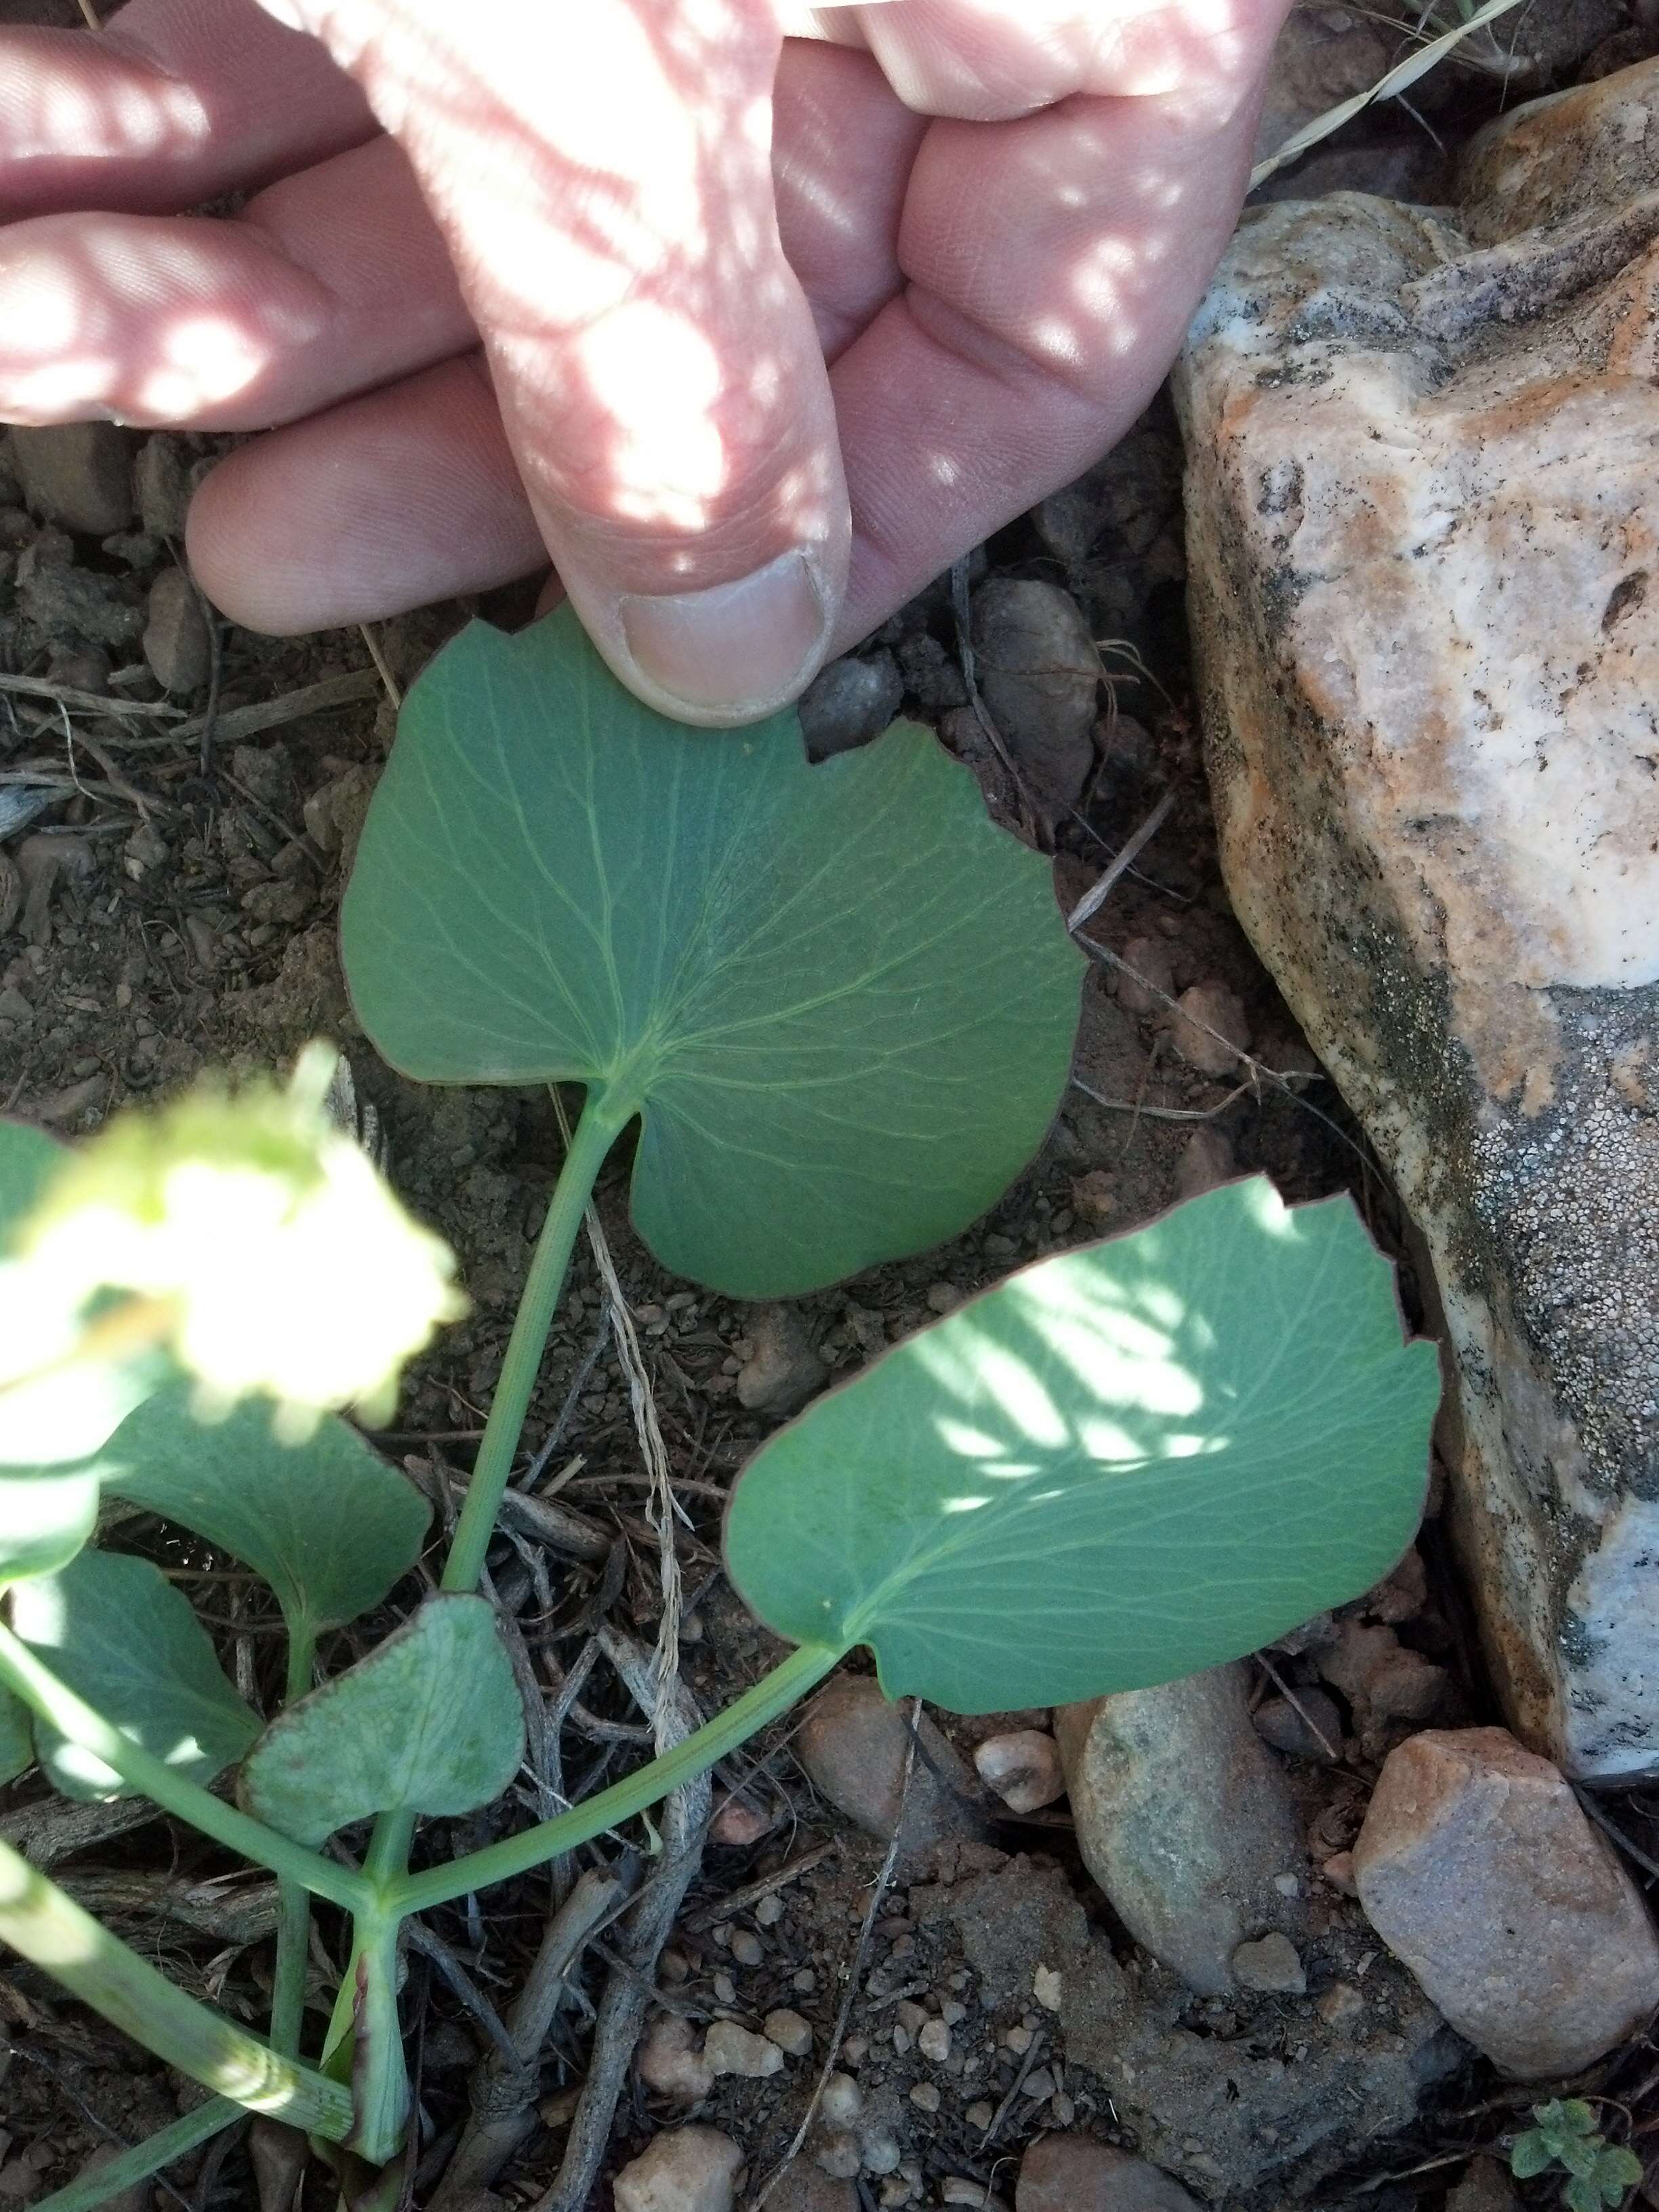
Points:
x=116 y=1631
x=327 y=1523
x=1122 y=1465
x=429 y=1722
x=840 y=999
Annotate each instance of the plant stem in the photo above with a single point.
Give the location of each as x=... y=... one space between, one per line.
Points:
x=596 y=1132
x=773 y=1694
x=288 y=1980
x=148 y=2157
x=38 y=1687
x=52 y=1932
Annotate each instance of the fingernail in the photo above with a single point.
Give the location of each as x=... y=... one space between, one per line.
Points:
x=744 y=647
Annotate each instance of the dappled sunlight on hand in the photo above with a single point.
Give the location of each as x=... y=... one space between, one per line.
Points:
x=777 y=328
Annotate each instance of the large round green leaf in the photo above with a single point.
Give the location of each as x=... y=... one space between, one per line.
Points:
x=430 y=1721
x=118 y=1633
x=842 y=999
x=1122 y=1465
x=327 y=1523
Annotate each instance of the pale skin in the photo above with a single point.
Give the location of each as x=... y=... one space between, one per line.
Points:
x=750 y=318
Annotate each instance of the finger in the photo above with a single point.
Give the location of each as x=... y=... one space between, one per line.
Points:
x=1049 y=285
x=603 y=179
x=331 y=282
x=406 y=495
x=841 y=162
x=991 y=60
x=172 y=102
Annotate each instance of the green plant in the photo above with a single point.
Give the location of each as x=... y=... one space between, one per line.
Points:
x=840 y=1006
x=1599 y=2175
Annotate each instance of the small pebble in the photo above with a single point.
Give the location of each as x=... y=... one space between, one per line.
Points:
x=979 y=2115
x=943 y=1297
x=1019 y=2041
x=1340 y=2006
x=737 y=1825
x=952 y=2013
x=1271 y=1966
x=683 y=2170
x=934 y=2042
x=177 y=644
x=1310 y=1729
x=729 y=2049
x=841 y=2155
x=911 y=2016
x=1210 y=1030
x=1039 y=2085
x=726 y=1990
x=792 y=2034
x=670 y=2061
x=769 y=1911
x=746 y=1947
x=960 y=2189
x=1046 y=1988
x=841 y=2102
x=1023 y=1767
x=803 y=1981
x=881 y=2151
x=925 y=2097
x=1338 y=1870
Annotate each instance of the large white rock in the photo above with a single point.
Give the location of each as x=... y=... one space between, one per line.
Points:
x=1423 y=457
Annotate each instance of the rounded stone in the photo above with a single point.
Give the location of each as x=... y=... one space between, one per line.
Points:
x=1478 y=1869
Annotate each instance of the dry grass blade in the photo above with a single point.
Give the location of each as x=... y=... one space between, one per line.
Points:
x=662 y=1509
x=1392 y=82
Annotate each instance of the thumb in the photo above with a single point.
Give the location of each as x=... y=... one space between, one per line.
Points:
x=603 y=178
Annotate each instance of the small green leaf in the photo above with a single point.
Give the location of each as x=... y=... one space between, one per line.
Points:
x=1126 y=1463
x=117 y=1632
x=1579 y=2156
x=329 y=1525
x=45 y=1517
x=1616 y=2171
x=1567 y=2115
x=842 y=1001
x=1532 y=2154
x=1581 y=2195
x=16 y=1737
x=430 y=1721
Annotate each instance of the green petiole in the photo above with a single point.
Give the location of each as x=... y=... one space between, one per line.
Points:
x=119 y=2174
x=597 y=1131
x=52 y=1932
x=515 y=1855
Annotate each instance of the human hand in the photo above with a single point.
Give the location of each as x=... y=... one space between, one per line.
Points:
x=753 y=333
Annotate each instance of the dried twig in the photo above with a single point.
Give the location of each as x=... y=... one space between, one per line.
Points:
x=89 y=702
x=628 y=1987
x=1096 y=895
x=503 y=2089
